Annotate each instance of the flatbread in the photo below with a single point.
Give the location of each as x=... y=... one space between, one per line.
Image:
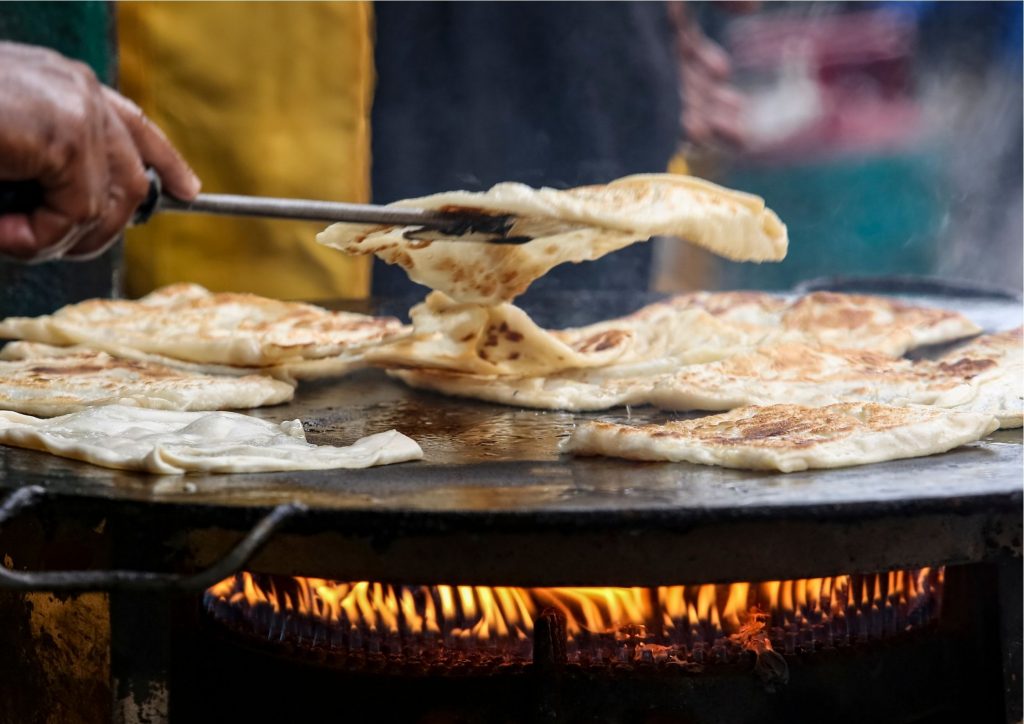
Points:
x=576 y=391
x=69 y=382
x=574 y=225
x=21 y=350
x=161 y=441
x=999 y=389
x=880 y=324
x=848 y=321
x=789 y=438
x=806 y=375
x=189 y=323
x=291 y=371
x=503 y=340
x=788 y=373
x=642 y=352
x=689 y=328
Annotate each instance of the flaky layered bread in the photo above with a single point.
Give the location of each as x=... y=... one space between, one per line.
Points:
x=999 y=389
x=744 y=348
x=848 y=321
x=22 y=350
x=69 y=382
x=574 y=391
x=503 y=340
x=858 y=321
x=187 y=322
x=573 y=225
x=789 y=438
x=687 y=329
x=774 y=374
x=160 y=441
x=291 y=370
x=808 y=375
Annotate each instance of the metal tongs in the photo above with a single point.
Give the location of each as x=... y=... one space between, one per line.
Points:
x=449 y=225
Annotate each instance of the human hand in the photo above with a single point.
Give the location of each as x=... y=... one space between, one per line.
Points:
x=86 y=146
x=713 y=109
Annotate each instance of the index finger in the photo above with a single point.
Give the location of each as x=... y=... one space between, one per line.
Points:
x=156 y=151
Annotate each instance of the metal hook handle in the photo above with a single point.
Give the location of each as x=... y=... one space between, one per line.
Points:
x=119 y=580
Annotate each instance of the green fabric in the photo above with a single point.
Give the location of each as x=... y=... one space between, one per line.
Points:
x=82 y=30
x=860 y=216
x=85 y=31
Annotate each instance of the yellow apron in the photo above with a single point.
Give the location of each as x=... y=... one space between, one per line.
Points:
x=261 y=98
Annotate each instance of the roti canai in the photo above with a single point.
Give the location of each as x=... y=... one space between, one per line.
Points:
x=163 y=441
x=806 y=375
x=789 y=438
x=573 y=225
x=66 y=383
x=847 y=321
x=187 y=322
x=999 y=389
x=640 y=353
x=503 y=340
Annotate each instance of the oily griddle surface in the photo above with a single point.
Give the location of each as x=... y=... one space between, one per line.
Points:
x=492 y=459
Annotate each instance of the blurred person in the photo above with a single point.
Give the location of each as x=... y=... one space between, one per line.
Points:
x=85 y=145
x=887 y=135
x=713 y=122
x=265 y=98
x=546 y=94
x=713 y=108
x=538 y=93
x=470 y=94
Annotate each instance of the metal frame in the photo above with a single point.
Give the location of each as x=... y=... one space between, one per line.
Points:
x=124 y=580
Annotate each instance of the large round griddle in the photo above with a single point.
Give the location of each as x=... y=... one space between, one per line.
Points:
x=494 y=501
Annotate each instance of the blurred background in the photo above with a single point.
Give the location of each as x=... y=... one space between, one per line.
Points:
x=887 y=135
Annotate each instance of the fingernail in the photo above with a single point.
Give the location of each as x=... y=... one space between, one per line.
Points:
x=15 y=231
x=194 y=184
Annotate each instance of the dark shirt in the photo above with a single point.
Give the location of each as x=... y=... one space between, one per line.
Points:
x=549 y=94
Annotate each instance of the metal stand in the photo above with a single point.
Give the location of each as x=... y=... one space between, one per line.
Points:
x=140 y=656
x=1010 y=582
x=142 y=606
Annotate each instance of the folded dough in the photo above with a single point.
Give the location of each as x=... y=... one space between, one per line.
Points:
x=574 y=225
x=161 y=441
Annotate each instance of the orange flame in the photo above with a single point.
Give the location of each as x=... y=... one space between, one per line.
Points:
x=751 y=615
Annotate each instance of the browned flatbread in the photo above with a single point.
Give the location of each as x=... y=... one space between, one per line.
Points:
x=849 y=321
x=858 y=321
x=1005 y=346
x=700 y=350
x=789 y=437
x=807 y=375
x=187 y=322
x=572 y=225
x=73 y=382
x=688 y=329
x=1000 y=388
x=503 y=340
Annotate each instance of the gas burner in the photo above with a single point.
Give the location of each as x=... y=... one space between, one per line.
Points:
x=441 y=628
